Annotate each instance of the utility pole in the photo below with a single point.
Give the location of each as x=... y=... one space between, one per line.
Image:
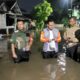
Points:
x=71 y=7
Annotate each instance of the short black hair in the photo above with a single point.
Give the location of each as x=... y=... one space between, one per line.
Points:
x=20 y=20
x=73 y=17
x=50 y=20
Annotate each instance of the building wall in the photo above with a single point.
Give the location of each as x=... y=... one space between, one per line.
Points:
x=2 y=21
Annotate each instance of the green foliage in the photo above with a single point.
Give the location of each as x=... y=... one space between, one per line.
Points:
x=42 y=12
x=65 y=21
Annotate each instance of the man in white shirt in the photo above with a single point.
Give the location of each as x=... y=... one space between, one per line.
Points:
x=50 y=36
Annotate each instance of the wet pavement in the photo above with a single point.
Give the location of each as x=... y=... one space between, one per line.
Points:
x=37 y=68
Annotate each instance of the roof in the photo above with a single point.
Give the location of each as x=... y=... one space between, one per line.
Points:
x=7 y=6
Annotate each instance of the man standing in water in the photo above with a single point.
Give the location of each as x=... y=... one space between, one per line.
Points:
x=50 y=36
x=70 y=38
x=20 y=44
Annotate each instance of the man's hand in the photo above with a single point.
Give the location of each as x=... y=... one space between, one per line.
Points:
x=69 y=40
x=51 y=40
x=14 y=55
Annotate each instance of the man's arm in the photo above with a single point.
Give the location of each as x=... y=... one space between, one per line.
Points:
x=42 y=38
x=13 y=51
x=66 y=37
x=58 y=38
x=30 y=41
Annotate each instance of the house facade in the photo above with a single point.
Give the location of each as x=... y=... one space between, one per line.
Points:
x=9 y=10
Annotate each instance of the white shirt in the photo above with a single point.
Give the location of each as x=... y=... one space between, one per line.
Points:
x=51 y=45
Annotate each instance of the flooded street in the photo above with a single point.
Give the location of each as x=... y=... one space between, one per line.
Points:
x=37 y=68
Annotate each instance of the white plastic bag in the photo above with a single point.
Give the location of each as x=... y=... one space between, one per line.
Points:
x=52 y=45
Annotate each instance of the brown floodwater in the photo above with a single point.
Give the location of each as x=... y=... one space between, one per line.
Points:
x=62 y=68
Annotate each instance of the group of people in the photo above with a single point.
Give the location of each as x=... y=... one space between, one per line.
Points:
x=50 y=36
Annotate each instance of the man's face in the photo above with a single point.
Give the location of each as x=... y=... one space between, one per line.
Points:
x=72 y=22
x=20 y=25
x=51 y=25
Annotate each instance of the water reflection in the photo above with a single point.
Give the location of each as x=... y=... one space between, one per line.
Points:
x=62 y=62
x=57 y=70
x=61 y=68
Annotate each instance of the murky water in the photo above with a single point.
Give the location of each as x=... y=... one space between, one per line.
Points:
x=62 y=68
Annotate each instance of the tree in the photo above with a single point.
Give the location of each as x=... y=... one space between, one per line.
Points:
x=42 y=12
x=65 y=21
